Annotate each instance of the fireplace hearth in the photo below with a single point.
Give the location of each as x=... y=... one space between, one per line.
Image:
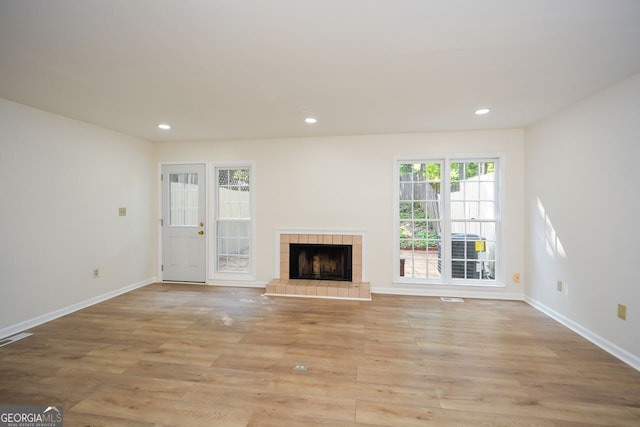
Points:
x=320 y=261
x=330 y=265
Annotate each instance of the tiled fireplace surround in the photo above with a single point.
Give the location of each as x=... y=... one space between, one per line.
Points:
x=356 y=289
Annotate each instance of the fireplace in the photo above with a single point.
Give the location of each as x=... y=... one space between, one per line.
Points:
x=286 y=238
x=320 y=262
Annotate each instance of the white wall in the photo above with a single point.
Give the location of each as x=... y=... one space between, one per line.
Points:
x=583 y=223
x=346 y=183
x=62 y=184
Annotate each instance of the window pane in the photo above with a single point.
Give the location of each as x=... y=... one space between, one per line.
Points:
x=458 y=227
x=406 y=172
x=486 y=210
x=406 y=229
x=490 y=252
x=233 y=245
x=419 y=210
x=488 y=231
x=435 y=230
x=419 y=191
x=470 y=170
x=419 y=264
x=406 y=191
x=487 y=171
x=471 y=190
x=433 y=191
x=183 y=199
x=420 y=229
x=457 y=210
x=456 y=171
x=244 y=210
x=473 y=228
x=223 y=177
x=471 y=210
x=406 y=211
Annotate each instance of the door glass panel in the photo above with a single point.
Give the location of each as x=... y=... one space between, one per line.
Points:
x=183 y=199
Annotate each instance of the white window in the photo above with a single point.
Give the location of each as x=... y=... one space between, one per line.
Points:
x=233 y=220
x=447 y=221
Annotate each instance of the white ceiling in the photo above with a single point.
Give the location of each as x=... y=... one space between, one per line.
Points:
x=230 y=69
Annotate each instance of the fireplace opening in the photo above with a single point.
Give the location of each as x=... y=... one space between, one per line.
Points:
x=320 y=262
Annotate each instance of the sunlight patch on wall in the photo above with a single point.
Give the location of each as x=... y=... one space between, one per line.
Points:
x=555 y=250
x=553 y=244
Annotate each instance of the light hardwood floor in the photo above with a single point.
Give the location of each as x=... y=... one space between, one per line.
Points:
x=186 y=355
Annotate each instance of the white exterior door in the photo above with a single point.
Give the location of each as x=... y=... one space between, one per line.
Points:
x=183 y=227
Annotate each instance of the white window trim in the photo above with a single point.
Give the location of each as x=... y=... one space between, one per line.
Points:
x=214 y=275
x=445 y=278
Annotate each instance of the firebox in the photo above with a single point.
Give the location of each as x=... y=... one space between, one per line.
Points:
x=320 y=262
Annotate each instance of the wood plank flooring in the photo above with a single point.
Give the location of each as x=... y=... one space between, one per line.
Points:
x=188 y=355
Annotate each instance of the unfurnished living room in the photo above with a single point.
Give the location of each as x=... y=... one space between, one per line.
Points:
x=337 y=213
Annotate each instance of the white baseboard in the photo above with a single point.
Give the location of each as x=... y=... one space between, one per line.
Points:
x=32 y=323
x=609 y=347
x=239 y=284
x=461 y=293
x=228 y=283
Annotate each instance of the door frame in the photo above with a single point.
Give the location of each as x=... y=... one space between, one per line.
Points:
x=161 y=213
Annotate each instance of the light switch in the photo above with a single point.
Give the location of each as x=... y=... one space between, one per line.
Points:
x=122 y=211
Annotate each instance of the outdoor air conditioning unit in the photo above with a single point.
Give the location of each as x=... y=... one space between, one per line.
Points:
x=464 y=255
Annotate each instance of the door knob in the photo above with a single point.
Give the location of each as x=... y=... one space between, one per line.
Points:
x=201 y=232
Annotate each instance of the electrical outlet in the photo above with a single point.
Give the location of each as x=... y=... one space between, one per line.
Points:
x=122 y=211
x=622 y=311
x=559 y=285
x=96 y=273
x=516 y=278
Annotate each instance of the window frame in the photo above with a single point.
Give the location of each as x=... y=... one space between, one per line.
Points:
x=446 y=274
x=215 y=274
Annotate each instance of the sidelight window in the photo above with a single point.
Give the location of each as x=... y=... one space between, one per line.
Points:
x=233 y=220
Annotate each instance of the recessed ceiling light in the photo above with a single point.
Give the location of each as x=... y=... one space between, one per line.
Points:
x=310 y=120
x=164 y=126
x=482 y=111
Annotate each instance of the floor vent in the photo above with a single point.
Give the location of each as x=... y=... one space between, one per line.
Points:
x=300 y=367
x=17 y=337
x=449 y=299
